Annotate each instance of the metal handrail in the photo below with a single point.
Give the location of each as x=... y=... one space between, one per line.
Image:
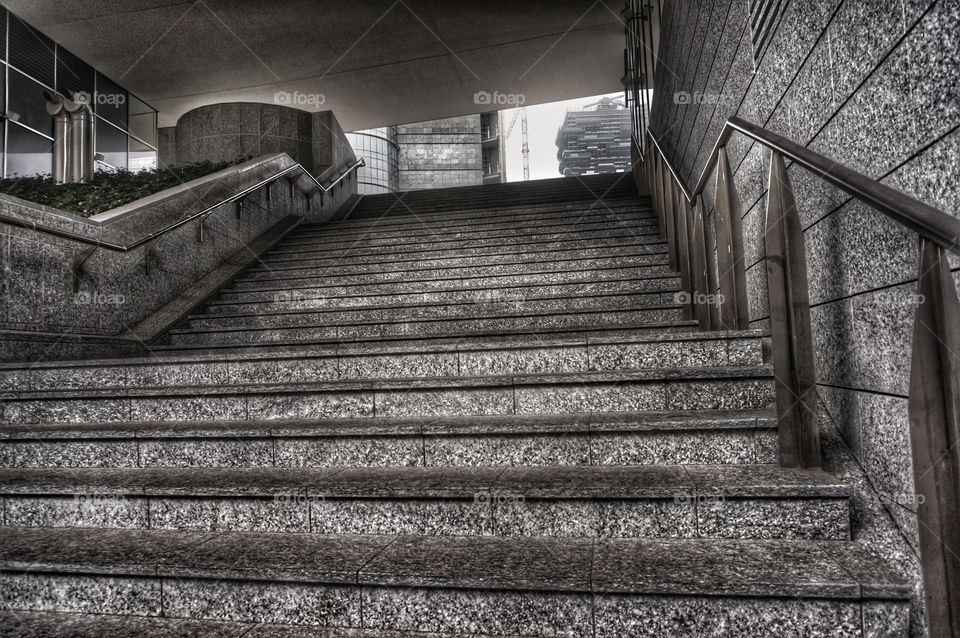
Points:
x=929 y=222
x=66 y=234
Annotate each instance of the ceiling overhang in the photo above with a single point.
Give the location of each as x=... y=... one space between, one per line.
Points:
x=373 y=63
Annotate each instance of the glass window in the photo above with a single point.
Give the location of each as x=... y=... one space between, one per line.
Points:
x=142 y=157
x=28 y=154
x=112 y=144
x=3 y=33
x=31 y=51
x=143 y=121
x=73 y=74
x=28 y=101
x=110 y=101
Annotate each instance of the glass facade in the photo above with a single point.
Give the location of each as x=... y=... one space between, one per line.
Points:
x=379 y=149
x=125 y=127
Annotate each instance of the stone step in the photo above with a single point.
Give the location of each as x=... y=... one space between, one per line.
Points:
x=484 y=287
x=558 y=249
x=489 y=586
x=598 y=438
x=505 y=214
x=520 y=197
x=395 y=283
x=447 y=258
x=269 y=301
x=449 y=202
x=479 y=229
x=643 y=234
x=505 y=217
x=666 y=389
x=445 y=358
x=413 y=271
x=39 y=624
x=484 y=323
x=417 y=341
x=286 y=318
x=653 y=501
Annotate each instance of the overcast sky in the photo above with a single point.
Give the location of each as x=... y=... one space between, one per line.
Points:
x=543 y=121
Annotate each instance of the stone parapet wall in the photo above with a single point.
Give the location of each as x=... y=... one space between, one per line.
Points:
x=871 y=84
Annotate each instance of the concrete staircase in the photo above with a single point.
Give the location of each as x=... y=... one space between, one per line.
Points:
x=486 y=420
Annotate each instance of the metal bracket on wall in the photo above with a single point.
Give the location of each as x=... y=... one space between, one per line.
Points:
x=150 y=261
x=203 y=220
x=239 y=209
x=76 y=266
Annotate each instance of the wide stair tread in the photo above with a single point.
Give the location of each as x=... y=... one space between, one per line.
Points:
x=714 y=567
x=38 y=624
x=594 y=439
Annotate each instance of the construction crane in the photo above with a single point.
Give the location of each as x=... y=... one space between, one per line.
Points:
x=521 y=113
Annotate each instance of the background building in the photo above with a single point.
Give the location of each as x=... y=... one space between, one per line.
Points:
x=125 y=127
x=492 y=147
x=381 y=152
x=440 y=153
x=454 y=151
x=595 y=139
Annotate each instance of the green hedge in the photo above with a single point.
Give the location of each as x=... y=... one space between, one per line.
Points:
x=108 y=189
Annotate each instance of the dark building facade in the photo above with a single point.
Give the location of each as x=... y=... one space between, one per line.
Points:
x=32 y=65
x=595 y=141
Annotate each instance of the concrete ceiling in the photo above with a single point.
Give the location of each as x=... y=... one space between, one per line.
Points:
x=374 y=62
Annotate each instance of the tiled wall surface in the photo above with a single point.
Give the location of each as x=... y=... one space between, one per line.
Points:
x=440 y=153
x=873 y=84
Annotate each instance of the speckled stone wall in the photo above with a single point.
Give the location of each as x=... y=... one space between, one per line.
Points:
x=236 y=130
x=440 y=153
x=167 y=145
x=874 y=85
x=42 y=317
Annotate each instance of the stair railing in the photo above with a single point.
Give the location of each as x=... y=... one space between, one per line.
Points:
x=95 y=244
x=149 y=237
x=934 y=401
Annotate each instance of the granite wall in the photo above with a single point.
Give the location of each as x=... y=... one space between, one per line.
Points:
x=237 y=130
x=44 y=317
x=440 y=153
x=167 y=146
x=872 y=84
